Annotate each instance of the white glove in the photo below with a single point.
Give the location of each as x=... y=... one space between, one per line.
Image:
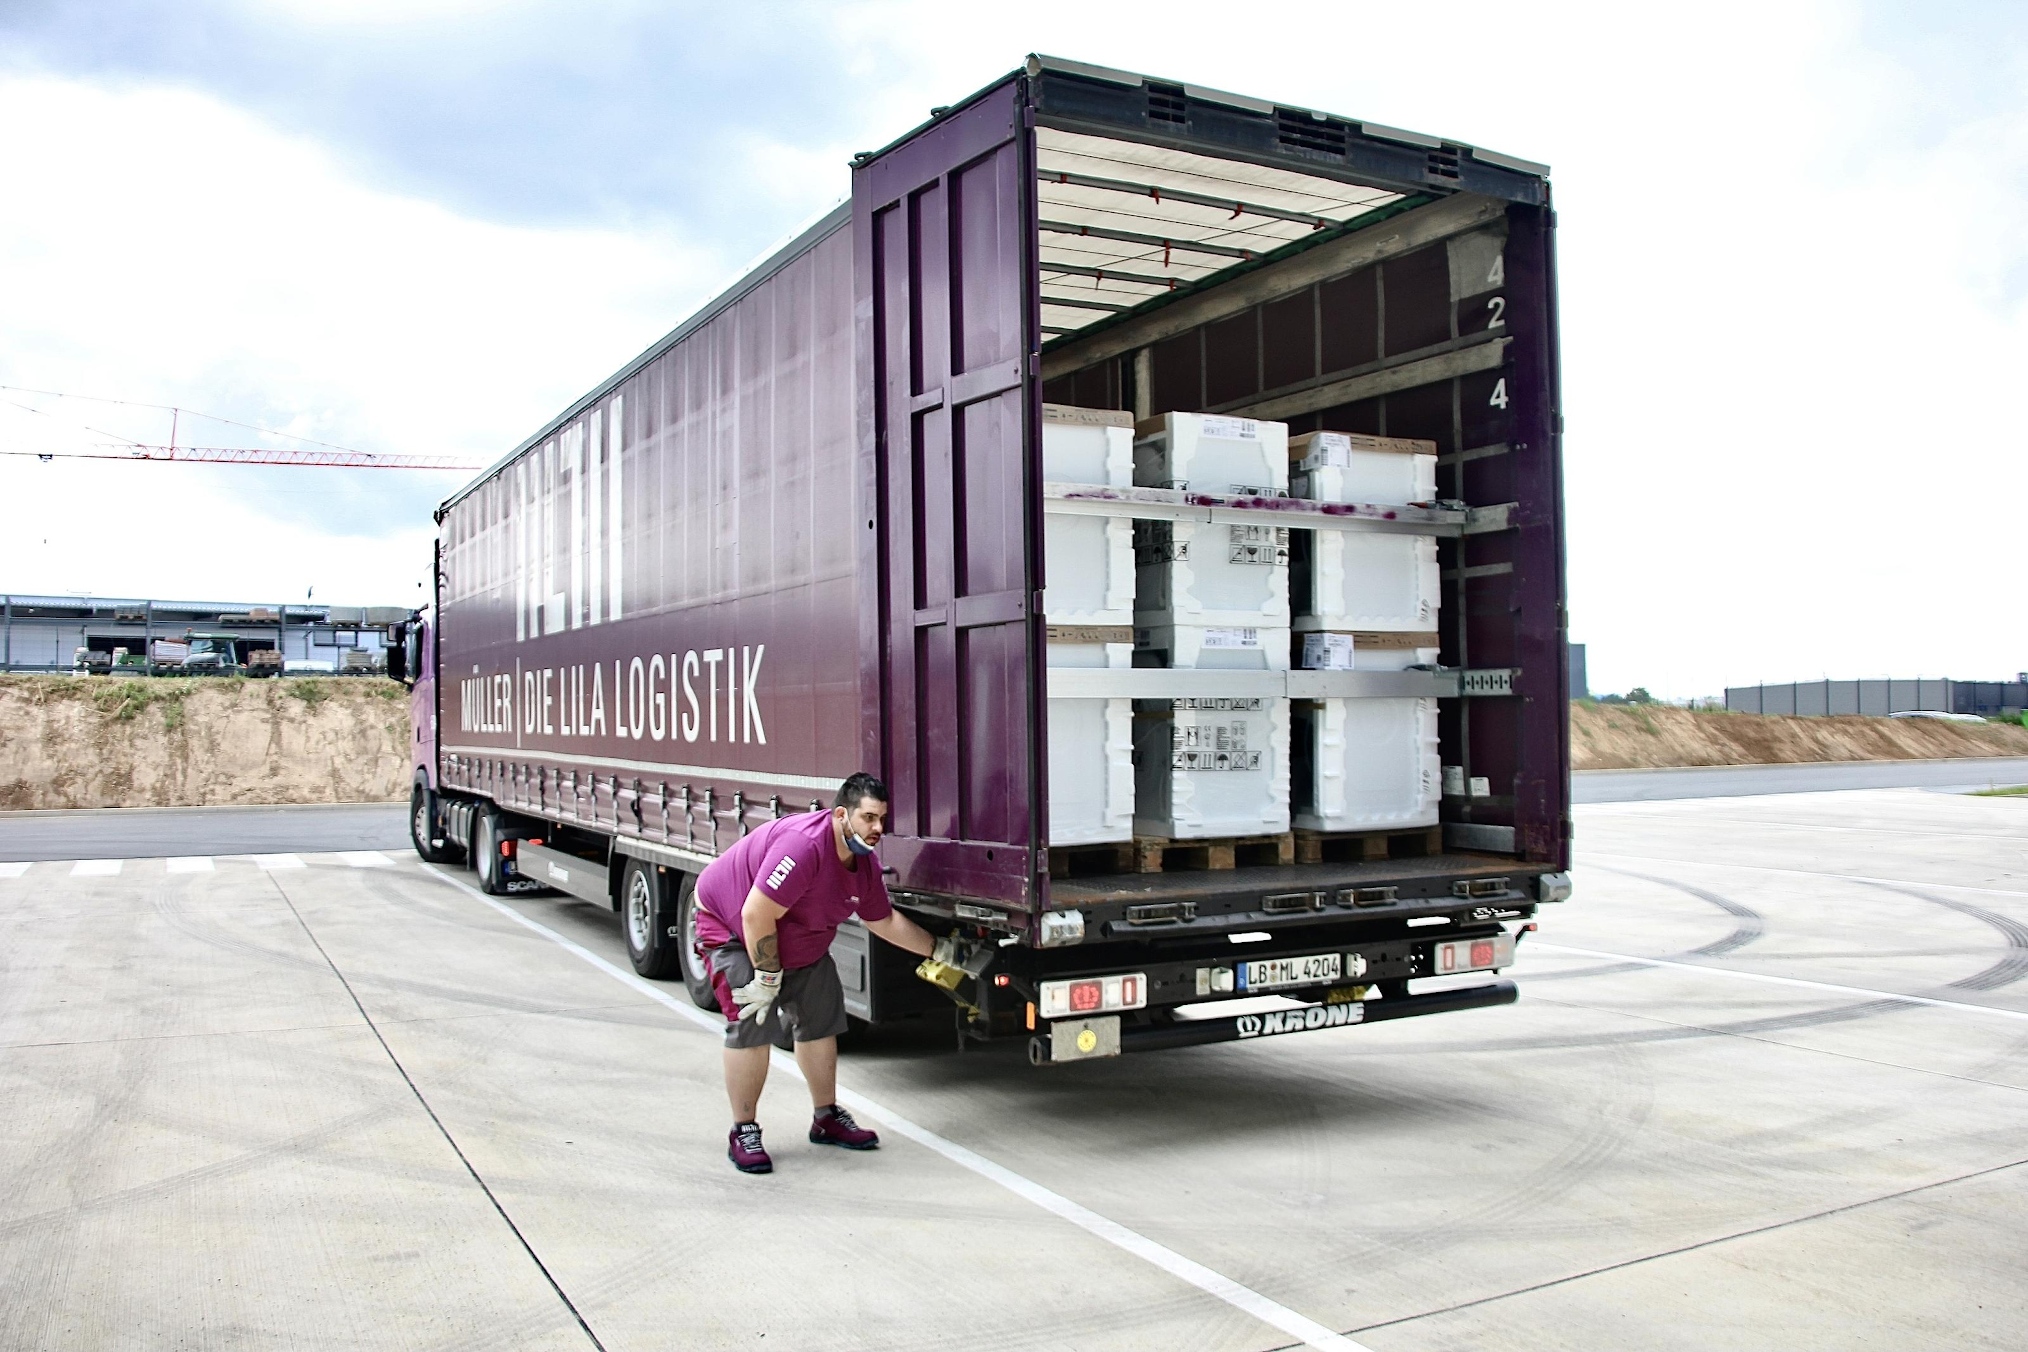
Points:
x=758 y=995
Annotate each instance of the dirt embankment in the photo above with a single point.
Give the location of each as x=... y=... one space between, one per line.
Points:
x=1639 y=736
x=98 y=742
x=101 y=742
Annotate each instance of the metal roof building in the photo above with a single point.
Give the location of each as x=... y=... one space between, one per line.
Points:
x=43 y=633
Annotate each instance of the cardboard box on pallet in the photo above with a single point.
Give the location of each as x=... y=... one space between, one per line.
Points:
x=1365 y=764
x=1345 y=580
x=1211 y=767
x=1088 y=563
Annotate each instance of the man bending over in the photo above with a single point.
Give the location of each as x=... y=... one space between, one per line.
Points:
x=767 y=910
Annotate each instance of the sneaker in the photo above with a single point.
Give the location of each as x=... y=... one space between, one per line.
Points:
x=743 y=1148
x=834 y=1126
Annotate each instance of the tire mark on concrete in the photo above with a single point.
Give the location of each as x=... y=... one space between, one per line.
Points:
x=2008 y=969
x=1752 y=924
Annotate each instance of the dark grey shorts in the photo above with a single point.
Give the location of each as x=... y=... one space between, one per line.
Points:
x=810 y=1007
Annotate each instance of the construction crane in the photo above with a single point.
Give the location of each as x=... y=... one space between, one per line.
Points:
x=323 y=455
x=256 y=455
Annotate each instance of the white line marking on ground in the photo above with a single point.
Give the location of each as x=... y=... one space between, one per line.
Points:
x=1308 y=1331
x=190 y=863
x=1770 y=979
x=96 y=868
x=14 y=870
x=365 y=859
x=1803 y=873
x=271 y=862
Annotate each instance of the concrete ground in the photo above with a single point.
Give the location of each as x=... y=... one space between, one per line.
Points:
x=308 y=1101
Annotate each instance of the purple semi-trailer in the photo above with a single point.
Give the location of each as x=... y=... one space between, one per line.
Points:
x=802 y=536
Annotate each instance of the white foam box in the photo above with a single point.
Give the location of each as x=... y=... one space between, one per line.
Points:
x=1357 y=580
x=1091 y=742
x=1201 y=573
x=1365 y=764
x=1206 y=768
x=1205 y=453
x=1214 y=647
x=1088 y=561
x=1370 y=650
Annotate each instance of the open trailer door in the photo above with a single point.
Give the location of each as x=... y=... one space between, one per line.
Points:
x=943 y=226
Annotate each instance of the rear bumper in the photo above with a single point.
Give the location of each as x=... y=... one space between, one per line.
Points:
x=1308 y=1018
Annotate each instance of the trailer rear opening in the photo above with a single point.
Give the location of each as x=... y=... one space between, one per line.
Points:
x=1294 y=620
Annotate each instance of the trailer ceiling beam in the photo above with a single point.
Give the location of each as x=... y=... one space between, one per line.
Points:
x=1152 y=241
x=1195 y=199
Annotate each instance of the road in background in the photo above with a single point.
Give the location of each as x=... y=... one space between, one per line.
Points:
x=155 y=832
x=148 y=833
x=326 y=1099
x=1732 y=781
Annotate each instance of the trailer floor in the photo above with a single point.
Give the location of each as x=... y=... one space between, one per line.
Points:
x=208 y=1144
x=1184 y=884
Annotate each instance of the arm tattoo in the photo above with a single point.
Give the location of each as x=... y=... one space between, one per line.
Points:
x=768 y=955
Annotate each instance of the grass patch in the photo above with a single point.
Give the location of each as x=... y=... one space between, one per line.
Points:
x=2016 y=791
x=311 y=691
x=124 y=701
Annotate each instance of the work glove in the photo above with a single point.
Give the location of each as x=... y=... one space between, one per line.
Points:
x=757 y=996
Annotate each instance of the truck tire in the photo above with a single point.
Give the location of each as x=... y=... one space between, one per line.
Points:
x=485 y=851
x=422 y=827
x=644 y=916
x=696 y=973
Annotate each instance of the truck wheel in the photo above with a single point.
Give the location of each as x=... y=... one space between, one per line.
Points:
x=696 y=972
x=644 y=917
x=422 y=827
x=485 y=852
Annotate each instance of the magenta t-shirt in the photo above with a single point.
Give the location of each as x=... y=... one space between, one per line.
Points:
x=795 y=864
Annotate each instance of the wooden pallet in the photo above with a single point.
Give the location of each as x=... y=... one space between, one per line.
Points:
x=1161 y=854
x=1348 y=847
x=1066 y=861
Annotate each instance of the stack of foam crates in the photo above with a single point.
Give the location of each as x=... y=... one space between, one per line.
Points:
x=1211 y=596
x=1365 y=602
x=1088 y=563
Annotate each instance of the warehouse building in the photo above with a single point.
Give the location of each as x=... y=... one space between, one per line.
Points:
x=45 y=633
x=1927 y=694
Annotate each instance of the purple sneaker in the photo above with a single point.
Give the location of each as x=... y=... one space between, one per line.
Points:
x=834 y=1126
x=743 y=1148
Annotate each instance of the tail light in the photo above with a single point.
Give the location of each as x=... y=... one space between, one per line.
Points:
x=1472 y=955
x=1093 y=995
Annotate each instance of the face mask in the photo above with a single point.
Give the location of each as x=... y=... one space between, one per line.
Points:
x=855 y=844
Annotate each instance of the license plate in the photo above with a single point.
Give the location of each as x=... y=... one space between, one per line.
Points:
x=1471 y=955
x=1274 y=973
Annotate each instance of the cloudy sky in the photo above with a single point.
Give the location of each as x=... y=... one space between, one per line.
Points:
x=1794 y=262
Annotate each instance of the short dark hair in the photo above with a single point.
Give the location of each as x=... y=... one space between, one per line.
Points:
x=861 y=785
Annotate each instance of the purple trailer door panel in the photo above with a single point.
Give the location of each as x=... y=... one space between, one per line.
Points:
x=944 y=227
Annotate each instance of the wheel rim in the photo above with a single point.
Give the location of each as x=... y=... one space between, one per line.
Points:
x=640 y=913
x=420 y=824
x=488 y=853
x=691 y=964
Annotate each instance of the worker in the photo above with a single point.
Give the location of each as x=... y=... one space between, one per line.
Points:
x=767 y=911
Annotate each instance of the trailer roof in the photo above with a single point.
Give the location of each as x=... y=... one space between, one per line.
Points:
x=831 y=221
x=1149 y=190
